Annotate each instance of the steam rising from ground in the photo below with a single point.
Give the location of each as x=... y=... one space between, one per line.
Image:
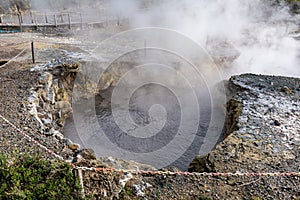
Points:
x=259 y=31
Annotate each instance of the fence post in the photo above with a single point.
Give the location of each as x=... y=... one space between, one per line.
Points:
x=36 y=21
x=55 y=21
x=31 y=17
x=118 y=21
x=1 y=19
x=20 y=22
x=81 y=182
x=21 y=17
x=69 y=18
x=145 y=47
x=32 y=52
x=46 y=18
x=11 y=19
x=81 y=23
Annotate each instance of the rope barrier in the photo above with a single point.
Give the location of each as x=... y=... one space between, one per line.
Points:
x=213 y=174
x=142 y=172
x=14 y=57
x=31 y=139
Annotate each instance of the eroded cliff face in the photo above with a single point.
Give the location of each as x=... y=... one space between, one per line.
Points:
x=50 y=99
x=50 y=104
x=263 y=133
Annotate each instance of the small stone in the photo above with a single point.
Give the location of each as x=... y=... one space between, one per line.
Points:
x=58 y=135
x=77 y=159
x=67 y=141
x=46 y=121
x=287 y=90
x=277 y=123
x=74 y=146
x=88 y=154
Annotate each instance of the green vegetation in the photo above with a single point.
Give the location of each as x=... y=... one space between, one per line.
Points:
x=126 y=192
x=31 y=177
x=203 y=198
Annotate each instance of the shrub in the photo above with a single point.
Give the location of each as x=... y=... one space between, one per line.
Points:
x=31 y=177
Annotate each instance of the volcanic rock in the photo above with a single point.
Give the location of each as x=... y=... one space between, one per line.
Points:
x=263 y=127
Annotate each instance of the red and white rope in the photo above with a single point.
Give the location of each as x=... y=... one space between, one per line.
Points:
x=109 y=170
x=30 y=139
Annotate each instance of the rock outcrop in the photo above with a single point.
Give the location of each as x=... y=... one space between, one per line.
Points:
x=263 y=127
x=50 y=100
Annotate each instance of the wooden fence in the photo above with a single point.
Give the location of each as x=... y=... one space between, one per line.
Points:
x=35 y=19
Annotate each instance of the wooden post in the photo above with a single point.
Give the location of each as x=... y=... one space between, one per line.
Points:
x=31 y=17
x=11 y=19
x=36 y=21
x=69 y=18
x=55 y=21
x=46 y=18
x=81 y=182
x=145 y=47
x=61 y=18
x=106 y=17
x=32 y=52
x=21 y=18
x=1 y=19
x=118 y=22
x=81 y=23
x=20 y=22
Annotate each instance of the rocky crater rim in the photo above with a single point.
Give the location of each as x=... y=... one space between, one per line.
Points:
x=262 y=127
x=51 y=100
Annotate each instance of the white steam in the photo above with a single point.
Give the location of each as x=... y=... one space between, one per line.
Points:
x=259 y=31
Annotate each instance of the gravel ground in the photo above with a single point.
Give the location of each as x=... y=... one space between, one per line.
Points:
x=14 y=93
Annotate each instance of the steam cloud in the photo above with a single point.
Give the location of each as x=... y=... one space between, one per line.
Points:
x=259 y=31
